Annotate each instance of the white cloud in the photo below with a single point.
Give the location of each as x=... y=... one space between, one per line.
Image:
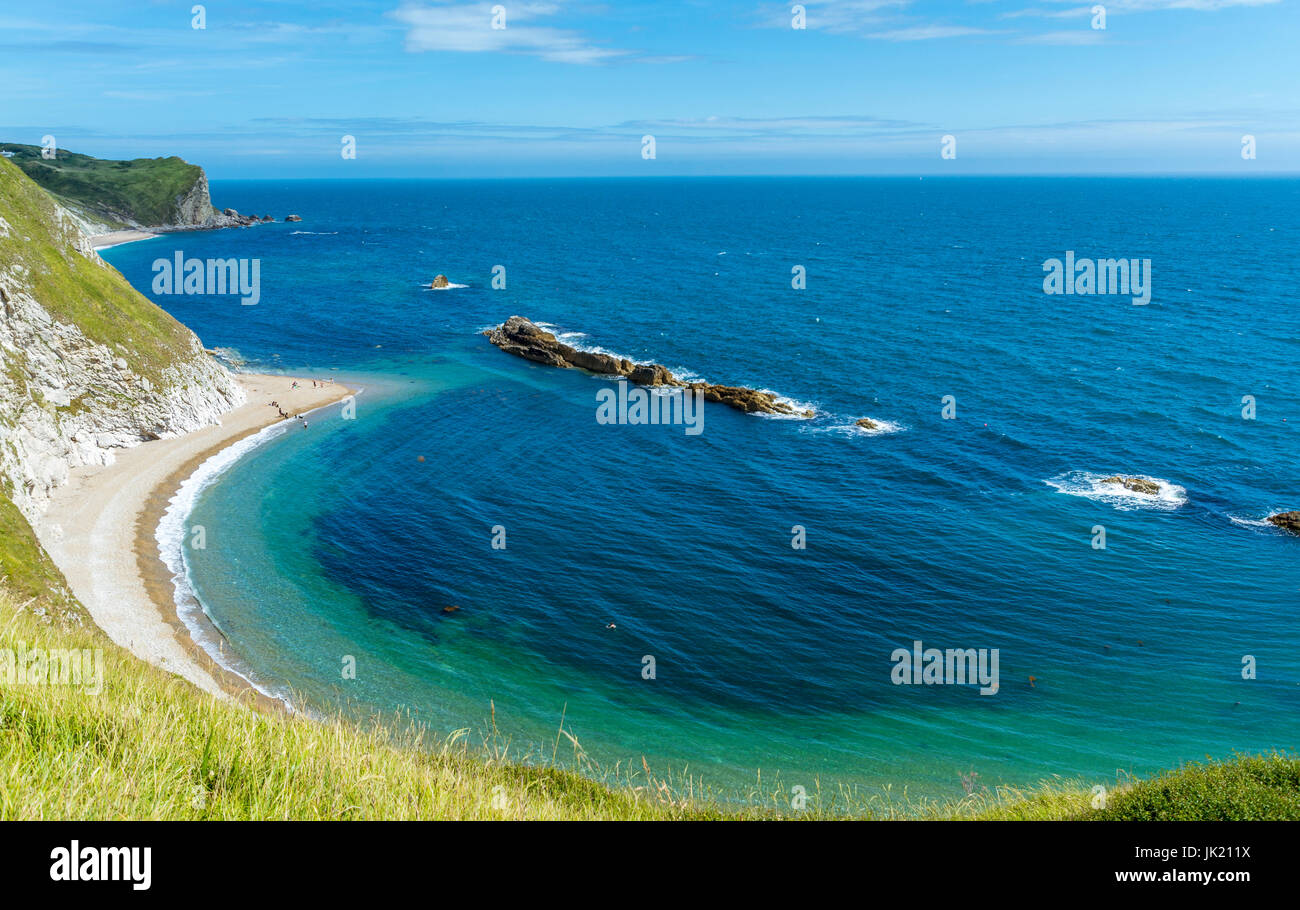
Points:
x=467 y=28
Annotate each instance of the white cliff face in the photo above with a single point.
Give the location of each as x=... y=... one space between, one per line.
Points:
x=67 y=400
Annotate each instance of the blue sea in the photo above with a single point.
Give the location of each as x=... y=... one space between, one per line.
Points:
x=771 y=662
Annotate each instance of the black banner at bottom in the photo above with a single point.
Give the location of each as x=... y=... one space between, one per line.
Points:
x=305 y=860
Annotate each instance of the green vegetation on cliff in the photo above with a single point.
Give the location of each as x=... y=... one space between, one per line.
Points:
x=27 y=574
x=142 y=191
x=37 y=254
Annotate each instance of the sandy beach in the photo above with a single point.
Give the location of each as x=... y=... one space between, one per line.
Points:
x=100 y=527
x=117 y=238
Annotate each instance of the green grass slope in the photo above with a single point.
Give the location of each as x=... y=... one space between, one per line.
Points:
x=143 y=190
x=37 y=253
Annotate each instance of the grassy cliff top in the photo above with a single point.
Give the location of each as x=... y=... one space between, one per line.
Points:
x=142 y=189
x=37 y=254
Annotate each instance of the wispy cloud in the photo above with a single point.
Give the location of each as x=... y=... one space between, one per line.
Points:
x=845 y=17
x=1070 y=37
x=899 y=20
x=1130 y=6
x=929 y=32
x=468 y=28
x=70 y=47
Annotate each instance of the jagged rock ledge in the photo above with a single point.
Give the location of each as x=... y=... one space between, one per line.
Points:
x=524 y=338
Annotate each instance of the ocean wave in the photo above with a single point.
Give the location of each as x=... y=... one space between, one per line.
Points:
x=800 y=407
x=1089 y=485
x=171 y=533
x=230 y=356
x=316 y=233
x=1259 y=524
x=450 y=287
x=882 y=428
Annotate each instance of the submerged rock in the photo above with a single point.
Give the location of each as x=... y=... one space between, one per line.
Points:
x=524 y=338
x=1136 y=484
x=439 y=281
x=1287 y=521
x=294 y=218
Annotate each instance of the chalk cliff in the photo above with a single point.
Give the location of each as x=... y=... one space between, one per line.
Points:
x=87 y=364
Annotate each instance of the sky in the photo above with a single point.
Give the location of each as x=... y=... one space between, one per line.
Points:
x=270 y=89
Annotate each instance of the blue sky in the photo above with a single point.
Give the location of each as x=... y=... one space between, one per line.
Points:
x=268 y=89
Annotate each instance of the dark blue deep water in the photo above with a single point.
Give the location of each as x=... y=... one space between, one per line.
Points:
x=974 y=532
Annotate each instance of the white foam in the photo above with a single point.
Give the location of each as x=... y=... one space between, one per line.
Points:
x=881 y=428
x=800 y=407
x=230 y=356
x=173 y=529
x=1260 y=524
x=1090 y=486
x=316 y=233
x=450 y=286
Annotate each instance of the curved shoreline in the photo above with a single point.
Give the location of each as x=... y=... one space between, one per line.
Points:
x=195 y=628
x=101 y=528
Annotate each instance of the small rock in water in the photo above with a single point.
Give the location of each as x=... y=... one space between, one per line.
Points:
x=866 y=423
x=294 y=218
x=1136 y=484
x=439 y=281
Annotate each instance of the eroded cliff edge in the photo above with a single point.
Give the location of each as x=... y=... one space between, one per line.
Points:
x=87 y=364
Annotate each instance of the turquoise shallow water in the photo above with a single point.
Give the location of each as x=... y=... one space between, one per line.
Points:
x=971 y=533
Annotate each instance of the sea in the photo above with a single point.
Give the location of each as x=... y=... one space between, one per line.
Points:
x=473 y=550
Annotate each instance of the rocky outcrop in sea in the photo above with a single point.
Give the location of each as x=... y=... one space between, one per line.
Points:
x=1287 y=521
x=1136 y=484
x=524 y=338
